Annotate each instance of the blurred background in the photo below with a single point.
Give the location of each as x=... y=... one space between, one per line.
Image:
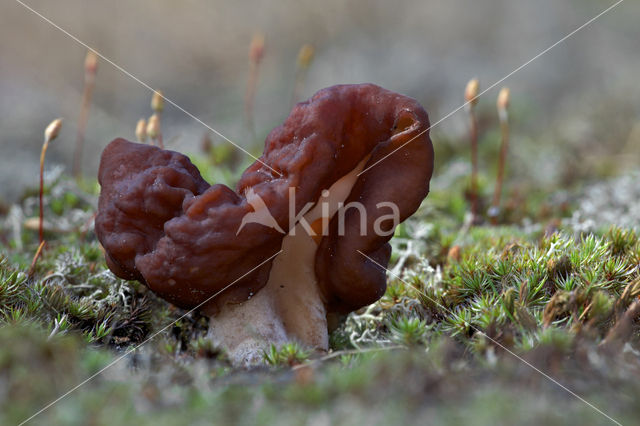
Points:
x=575 y=111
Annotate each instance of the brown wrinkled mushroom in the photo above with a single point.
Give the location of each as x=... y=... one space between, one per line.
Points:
x=162 y=224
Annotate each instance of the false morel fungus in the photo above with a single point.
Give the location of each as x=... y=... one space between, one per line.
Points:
x=268 y=261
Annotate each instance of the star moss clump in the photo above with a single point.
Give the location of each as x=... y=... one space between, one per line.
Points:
x=512 y=289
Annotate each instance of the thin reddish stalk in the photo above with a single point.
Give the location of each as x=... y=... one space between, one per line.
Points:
x=474 y=161
x=159 y=139
x=90 y=69
x=41 y=216
x=297 y=86
x=305 y=56
x=502 y=161
x=32 y=268
x=50 y=133
x=256 y=53
x=250 y=95
x=82 y=125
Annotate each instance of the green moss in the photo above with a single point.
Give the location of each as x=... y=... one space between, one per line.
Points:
x=439 y=345
x=288 y=354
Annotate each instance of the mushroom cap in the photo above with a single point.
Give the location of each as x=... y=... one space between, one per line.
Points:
x=162 y=224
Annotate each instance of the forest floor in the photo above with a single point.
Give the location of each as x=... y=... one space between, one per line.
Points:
x=532 y=320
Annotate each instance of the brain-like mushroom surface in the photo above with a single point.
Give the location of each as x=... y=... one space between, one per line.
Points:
x=206 y=246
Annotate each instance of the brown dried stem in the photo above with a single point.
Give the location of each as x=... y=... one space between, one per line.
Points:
x=41 y=213
x=154 y=127
x=256 y=53
x=473 y=133
x=90 y=69
x=50 y=133
x=471 y=96
x=305 y=57
x=503 y=102
x=622 y=331
x=34 y=262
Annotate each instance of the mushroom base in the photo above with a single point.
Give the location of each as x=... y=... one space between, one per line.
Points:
x=290 y=306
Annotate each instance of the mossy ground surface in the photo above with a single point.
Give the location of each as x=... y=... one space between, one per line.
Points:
x=473 y=319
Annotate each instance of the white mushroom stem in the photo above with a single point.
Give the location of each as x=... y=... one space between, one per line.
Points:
x=290 y=307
